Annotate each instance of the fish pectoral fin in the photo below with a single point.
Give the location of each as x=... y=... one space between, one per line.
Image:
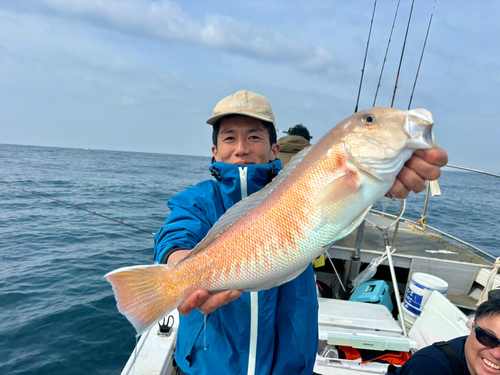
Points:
x=337 y=190
x=350 y=228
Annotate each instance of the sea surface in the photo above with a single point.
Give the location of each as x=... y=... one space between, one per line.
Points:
x=57 y=312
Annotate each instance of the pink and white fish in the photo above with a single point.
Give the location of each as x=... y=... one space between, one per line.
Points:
x=270 y=237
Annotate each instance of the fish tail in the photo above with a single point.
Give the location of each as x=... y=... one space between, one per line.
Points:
x=145 y=294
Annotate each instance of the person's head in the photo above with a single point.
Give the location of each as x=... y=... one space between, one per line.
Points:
x=300 y=130
x=482 y=347
x=244 y=130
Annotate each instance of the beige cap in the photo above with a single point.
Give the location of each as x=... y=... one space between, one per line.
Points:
x=244 y=103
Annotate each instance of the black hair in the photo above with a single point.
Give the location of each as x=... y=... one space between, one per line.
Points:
x=300 y=130
x=273 y=137
x=488 y=308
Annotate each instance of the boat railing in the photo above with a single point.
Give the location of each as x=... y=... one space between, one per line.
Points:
x=421 y=224
x=414 y=225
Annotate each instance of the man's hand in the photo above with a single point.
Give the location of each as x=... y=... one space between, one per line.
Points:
x=205 y=301
x=423 y=165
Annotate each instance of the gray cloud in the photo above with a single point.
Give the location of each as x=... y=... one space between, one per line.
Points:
x=166 y=21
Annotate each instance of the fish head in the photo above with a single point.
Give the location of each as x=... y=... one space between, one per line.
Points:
x=380 y=140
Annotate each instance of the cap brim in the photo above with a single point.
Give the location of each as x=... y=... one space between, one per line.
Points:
x=212 y=120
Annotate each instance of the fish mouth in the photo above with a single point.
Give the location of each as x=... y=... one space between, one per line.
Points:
x=419 y=126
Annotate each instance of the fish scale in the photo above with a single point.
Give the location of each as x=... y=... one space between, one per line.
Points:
x=270 y=237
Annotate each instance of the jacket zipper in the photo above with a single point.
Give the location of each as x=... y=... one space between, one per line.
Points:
x=254 y=296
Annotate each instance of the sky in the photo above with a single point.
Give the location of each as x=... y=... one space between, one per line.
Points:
x=144 y=75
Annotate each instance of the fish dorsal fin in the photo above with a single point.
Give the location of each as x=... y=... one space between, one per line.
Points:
x=243 y=206
x=337 y=190
x=294 y=161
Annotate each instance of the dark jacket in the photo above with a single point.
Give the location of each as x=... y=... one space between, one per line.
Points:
x=432 y=361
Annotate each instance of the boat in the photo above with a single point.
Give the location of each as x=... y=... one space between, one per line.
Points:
x=420 y=250
x=417 y=249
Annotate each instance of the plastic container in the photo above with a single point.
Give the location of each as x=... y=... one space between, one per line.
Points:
x=374 y=291
x=360 y=325
x=420 y=288
x=339 y=314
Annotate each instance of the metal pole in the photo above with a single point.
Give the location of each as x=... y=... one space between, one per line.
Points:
x=395 y=282
x=355 y=263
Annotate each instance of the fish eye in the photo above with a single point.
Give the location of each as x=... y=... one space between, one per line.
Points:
x=368 y=119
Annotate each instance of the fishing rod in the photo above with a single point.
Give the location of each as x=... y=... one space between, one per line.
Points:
x=472 y=170
x=386 y=52
x=389 y=248
x=422 y=56
x=366 y=54
x=396 y=87
x=355 y=259
x=74 y=206
x=433 y=186
x=402 y=54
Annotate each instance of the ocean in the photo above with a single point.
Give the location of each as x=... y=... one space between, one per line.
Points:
x=57 y=313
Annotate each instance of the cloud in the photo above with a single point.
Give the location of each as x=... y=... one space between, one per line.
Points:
x=167 y=22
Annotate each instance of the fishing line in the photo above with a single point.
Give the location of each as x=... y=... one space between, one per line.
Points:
x=386 y=51
x=335 y=269
x=422 y=56
x=387 y=209
x=366 y=54
x=402 y=54
x=80 y=208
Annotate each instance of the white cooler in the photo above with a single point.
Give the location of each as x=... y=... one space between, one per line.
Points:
x=361 y=326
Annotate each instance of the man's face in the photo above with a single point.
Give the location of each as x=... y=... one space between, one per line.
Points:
x=480 y=359
x=244 y=140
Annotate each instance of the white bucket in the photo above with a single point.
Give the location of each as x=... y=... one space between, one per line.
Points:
x=409 y=319
x=420 y=288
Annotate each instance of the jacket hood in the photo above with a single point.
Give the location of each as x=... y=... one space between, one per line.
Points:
x=257 y=176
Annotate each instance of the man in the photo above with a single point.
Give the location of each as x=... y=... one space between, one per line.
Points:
x=476 y=354
x=273 y=331
x=297 y=139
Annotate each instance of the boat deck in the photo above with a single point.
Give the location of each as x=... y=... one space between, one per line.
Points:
x=413 y=243
x=418 y=251
x=466 y=303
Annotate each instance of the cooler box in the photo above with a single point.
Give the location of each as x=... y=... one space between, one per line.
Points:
x=375 y=291
x=360 y=326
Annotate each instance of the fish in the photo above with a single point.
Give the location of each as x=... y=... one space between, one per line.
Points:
x=271 y=237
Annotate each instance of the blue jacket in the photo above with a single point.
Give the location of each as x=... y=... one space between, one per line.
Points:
x=282 y=335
